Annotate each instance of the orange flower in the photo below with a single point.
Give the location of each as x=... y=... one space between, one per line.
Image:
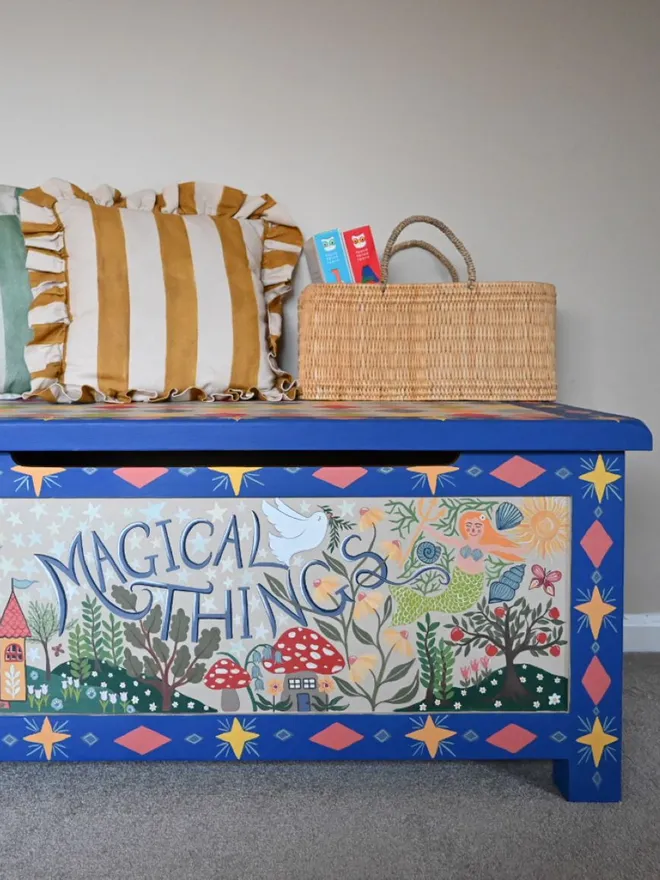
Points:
x=360 y=666
x=399 y=640
x=366 y=603
x=275 y=687
x=326 y=685
x=325 y=588
x=393 y=550
x=369 y=516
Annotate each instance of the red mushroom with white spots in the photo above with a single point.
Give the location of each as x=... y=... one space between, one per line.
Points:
x=301 y=655
x=228 y=676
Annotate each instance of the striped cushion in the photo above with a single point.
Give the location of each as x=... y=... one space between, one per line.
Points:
x=152 y=296
x=15 y=298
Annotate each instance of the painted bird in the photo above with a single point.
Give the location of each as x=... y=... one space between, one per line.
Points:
x=296 y=532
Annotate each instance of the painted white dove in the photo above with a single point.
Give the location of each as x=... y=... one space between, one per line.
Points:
x=296 y=532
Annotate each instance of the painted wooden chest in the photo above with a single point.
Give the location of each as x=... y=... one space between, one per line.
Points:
x=314 y=582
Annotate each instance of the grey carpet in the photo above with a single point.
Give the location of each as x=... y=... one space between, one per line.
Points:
x=347 y=821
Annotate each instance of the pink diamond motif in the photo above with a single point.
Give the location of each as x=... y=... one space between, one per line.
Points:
x=596 y=680
x=336 y=737
x=512 y=738
x=518 y=471
x=142 y=740
x=596 y=543
x=341 y=477
x=140 y=476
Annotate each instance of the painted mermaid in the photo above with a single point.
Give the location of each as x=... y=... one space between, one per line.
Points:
x=476 y=540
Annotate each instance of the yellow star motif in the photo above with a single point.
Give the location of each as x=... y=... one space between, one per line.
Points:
x=597 y=741
x=237 y=737
x=432 y=473
x=235 y=475
x=600 y=478
x=596 y=610
x=431 y=736
x=47 y=737
x=38 y=475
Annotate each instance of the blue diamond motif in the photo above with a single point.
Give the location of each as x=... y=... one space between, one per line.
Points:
x=193 y=739
x=385 y=470
x=596 y=577
x=187 y=471
x=595 y=648
x=598 y=512
x=89 y=739
x=382 y=736
x=471 y=736
x=596 y=711
x=558 y=736
x=563 y=473
x=597 y=779
x=292 y=470
x=9 y=740
x=283 y=735
x=89 y=471
x=474 y=471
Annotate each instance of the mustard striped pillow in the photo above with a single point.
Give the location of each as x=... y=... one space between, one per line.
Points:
x=152 y=296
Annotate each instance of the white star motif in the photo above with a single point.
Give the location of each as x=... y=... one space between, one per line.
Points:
x=199 y=542
x=255 y=601
x=154 y=510
x=217 y=513
x=247 y=578
x=261 y=632
x=34 y=538
x=212 y=575
x=17 y=539
x=208 y=604
x=228 y=582
x=44 y=590
x=237 y=648
x=14 y=519
x=245 y=531
x=136 y=539
x=65 y=514
x=297 y=560
x=346 y=508
x=156 y=542
x=241 y=505
x=29 y=567
x=33 y=654
x=75 y=611
x=282 y=620
x=83 y=527
x=54 y=528
x=57 y=548
x=92 y=511
x=182 y=515
x=128 y=511
x=182 y=576
x=71 y=590
x=38 y=509
x=263 y=553
x=227 y=564
x=305 y=507
x=6 y=565
x=107 y=530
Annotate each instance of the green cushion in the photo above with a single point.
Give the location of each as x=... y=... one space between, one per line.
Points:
x=15 y=297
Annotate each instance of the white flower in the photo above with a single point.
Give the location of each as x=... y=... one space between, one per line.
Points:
x=422 y=707
x=135 y=700
x=536 y=704
x=113 y=698
x=524 y=666
x=104 y=696
x=493 y=681
x=482 y=690
x=104 y=684
x=191 y=705
x=523 y=679
x=122 y=684
x=123 y=697
x=464 y=693
x=557 y=680
x=206 y=708
x=457 y=705
x=30 y=689
x=147 y=693
x=175 y=704
x=540 y=676
x=554 y=699
x=539 y=690
x=44 y=689
x=436 y=702
x=110 y=675
x=152 y=707
x=95 y=674
x=135 y=684
x=37 y=693
x=497 y=704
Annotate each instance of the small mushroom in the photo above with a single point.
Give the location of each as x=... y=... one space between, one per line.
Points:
x=303 y=650
x=227 y=676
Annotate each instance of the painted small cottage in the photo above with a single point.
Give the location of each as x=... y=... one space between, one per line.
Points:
x=14 y=630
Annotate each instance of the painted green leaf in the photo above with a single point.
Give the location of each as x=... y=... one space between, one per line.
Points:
x=208 y=644
x=336 y=566
x=180 y=626
x=346 y=688
x=329 y=630
x=197 y=673
x=132 y=664
x=161 y=649
x=398 y=672
x=277 y=587
x=407 y=692
x=362 y=635
x=387 y=609
x=134 y=635
x=181 y=661
x=124 y=598
x=154 y=620
x=150 y=667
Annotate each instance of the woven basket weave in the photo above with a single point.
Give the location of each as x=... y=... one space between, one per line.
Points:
x=458 y=341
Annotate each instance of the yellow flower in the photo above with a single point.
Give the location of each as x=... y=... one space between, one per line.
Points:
x=360 y=666
x=393 y=550
x=275 y=687
x=325 y=588
x=545 y=525
x=367 y=603
x=326 y=684
x=370 y=517
x=399 y=640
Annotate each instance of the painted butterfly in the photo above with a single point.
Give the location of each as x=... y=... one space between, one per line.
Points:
x=504 y=590
x=544 y=578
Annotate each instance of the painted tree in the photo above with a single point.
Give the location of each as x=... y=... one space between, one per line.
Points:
x=43 y=620
x=511 y=630
x=436 y=661
x=163 y=666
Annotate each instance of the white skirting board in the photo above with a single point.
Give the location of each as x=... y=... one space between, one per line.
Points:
x=641 y=632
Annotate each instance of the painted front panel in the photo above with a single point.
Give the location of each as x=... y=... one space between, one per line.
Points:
x=353 y=604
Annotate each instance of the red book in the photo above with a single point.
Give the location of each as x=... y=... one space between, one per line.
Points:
x=362 y=254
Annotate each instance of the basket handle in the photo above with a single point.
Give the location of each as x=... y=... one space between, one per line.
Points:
x=421 y=218
x=415 y=243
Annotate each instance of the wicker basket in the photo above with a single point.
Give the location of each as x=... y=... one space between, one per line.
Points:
x=458 y=341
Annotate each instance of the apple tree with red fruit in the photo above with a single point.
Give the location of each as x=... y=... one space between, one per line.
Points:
x=510 y=630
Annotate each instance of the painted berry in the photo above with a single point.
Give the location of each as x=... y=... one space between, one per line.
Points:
x=554 y=613
x=555 y=650
x=457 y=634
x=542 y=638
x=500 y=612
x=491 y=650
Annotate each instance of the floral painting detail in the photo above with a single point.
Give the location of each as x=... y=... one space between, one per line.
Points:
x=283 y=605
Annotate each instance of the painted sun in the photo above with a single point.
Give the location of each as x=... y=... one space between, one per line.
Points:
x=545 y=525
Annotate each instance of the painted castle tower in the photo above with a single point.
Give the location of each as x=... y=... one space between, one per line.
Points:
x=14 y=630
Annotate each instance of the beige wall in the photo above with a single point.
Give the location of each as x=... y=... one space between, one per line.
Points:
x=532 y=127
